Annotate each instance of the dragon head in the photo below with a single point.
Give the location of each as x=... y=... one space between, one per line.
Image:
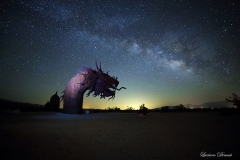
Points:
x=101 y=83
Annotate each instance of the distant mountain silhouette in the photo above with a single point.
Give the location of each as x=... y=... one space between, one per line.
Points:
x=221 y=104
x=12 y=105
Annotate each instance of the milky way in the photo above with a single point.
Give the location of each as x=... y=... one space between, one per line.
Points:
x=164 y=52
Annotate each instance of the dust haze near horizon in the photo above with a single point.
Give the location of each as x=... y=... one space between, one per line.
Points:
x=164 y=52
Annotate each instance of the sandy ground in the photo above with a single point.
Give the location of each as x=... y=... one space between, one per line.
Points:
x=123 y=136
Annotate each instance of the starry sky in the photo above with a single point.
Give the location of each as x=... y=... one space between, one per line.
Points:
x=164 y=52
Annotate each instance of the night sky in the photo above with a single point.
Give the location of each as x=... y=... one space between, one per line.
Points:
x=164 y=52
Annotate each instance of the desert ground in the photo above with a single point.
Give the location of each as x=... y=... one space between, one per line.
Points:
x=119 y=136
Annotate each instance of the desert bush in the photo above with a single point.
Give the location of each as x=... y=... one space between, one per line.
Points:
x=113 y=109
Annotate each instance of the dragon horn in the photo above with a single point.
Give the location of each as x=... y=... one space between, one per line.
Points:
x=99 y=69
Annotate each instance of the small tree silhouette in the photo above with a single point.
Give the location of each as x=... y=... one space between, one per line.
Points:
x=180 y=107
x=117 y=109
x=129 y=108
x=165 y=109
x=235 y=99
x=143 y=109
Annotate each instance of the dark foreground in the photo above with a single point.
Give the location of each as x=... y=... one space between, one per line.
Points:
x=122 y=136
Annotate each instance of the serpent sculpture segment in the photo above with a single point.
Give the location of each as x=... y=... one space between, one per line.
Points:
x=96 y=81
x=54 y=102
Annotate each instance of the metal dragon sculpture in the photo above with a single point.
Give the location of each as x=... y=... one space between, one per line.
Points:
x=96 y=81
